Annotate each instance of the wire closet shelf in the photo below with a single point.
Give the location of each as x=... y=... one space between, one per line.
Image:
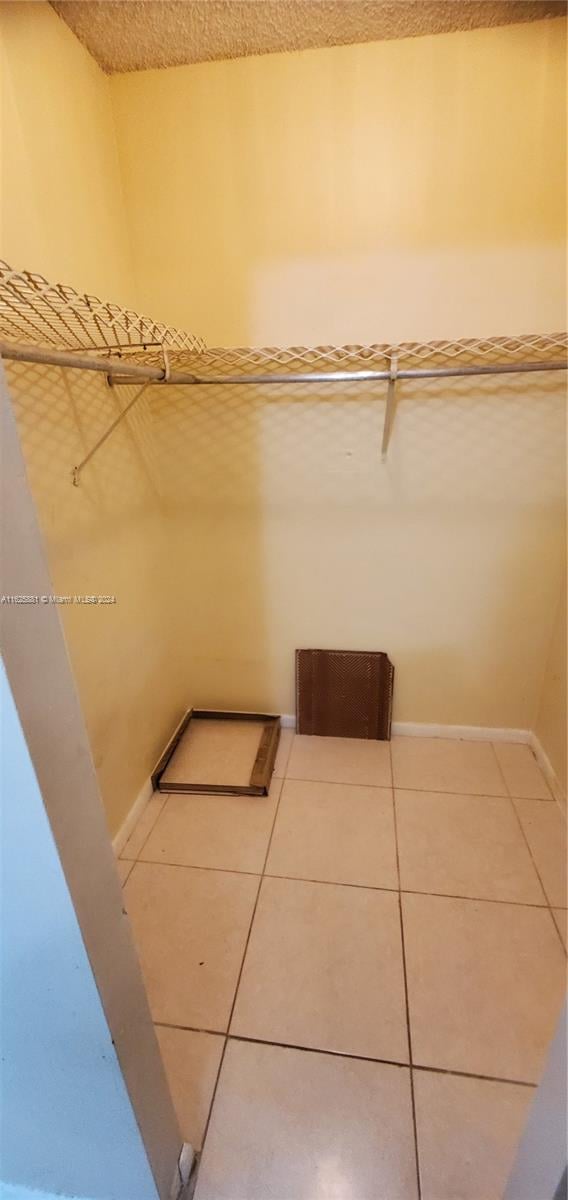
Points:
x=53 y=324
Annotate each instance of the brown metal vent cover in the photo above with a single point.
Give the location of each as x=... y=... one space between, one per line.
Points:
x=344 y=693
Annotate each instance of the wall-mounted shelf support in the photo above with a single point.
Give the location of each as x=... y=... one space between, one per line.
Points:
x=76 y=472
x=390 y=406
x=52 y=325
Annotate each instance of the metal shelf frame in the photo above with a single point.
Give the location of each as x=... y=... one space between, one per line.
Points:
x=54 y=325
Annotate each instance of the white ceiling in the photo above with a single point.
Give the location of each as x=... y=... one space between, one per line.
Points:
x=132 y=35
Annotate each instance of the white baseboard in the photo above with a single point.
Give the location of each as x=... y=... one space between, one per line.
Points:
x=120 y=839
x=547 y=769
x=472 y=733
x=468 y=733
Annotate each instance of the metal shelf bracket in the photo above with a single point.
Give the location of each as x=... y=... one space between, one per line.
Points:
x=76 y=472
x=390 y=406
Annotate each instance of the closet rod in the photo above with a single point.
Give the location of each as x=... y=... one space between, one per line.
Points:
x=67 y=358
x=370 y=376
x=134 y=371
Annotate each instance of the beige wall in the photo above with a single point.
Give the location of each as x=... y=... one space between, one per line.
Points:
x=552 y=720
x=62 y=210
x=394 y=190
x=63 y=215
x=110 y=536
x=397 y=190
x=291 y=532
x=400 y=190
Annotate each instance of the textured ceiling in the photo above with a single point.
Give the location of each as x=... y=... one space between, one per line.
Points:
x=132 y=35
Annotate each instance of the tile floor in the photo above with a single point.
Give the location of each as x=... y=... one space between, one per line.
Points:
x=355 y=979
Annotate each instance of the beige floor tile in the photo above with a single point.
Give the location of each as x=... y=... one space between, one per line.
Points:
x=545 y=831
x=446 y=765
x=293 y=1125
x=324 y=969
x=283 y=752
x=464 y=846
x=468 y=1131
x=144 y=826
x=561 y=920
x=340 y=760
x=523 y=775
x=190 y=928
x=485 y=984
x=335 y=832
x=124 y=866
x=192 y=1064
x=227 y=832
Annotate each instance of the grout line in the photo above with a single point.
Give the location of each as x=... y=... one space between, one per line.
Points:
x=142 y=814
x=214 y=1093
x=406 y=1002
x=382 y=787
x=555 y=923
x=547 y=770
x=341 y=783
x=476 y=899
x=551 y=795
x=191 y=1028
x=553 y=915
x=532 y=858
x=285 y=778
x=368 y=887
x=386 y=1062
x=130 y=863
x=500 y=770
x=411 y=1066
x=211 y=1102
x=256 y=1041
x=437 y=791
x=523 y=834
x=151 y=862
x=527 y=844
x=470 y=1075
x=473 y=795
x=544 y=799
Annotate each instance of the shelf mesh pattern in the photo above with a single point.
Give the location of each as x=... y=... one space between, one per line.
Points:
x=533 y=348
x=32 y=310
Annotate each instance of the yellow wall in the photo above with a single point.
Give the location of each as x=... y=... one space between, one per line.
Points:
x=109 y=536
x=400 y=190
x=291 y=532
x=63 y=215
x=551 y=721
x=393 y=190
x=62 y=210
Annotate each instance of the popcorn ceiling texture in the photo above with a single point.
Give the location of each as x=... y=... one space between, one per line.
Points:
x=134 y=35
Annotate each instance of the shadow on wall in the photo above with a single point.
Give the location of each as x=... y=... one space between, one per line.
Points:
x=108 y=537
x=448 y=555
x=235 y=524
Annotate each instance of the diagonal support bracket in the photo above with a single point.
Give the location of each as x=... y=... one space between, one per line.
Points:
x=390 y=407
x=76 y=472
